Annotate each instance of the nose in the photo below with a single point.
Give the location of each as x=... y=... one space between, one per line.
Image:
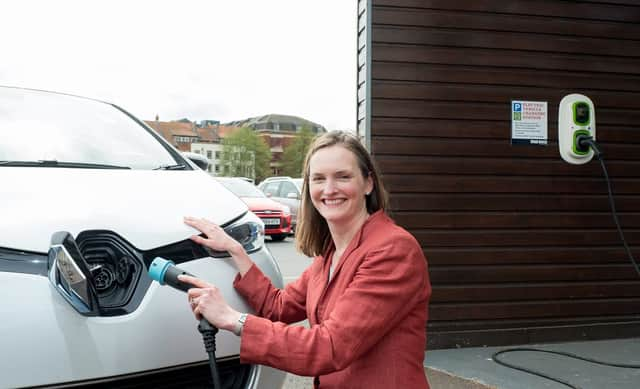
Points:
x=329 y=186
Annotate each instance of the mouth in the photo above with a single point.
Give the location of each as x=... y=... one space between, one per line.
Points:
x=333 y=202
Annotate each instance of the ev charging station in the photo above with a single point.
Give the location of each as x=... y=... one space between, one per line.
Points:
x=576 y=142
x=576 y=121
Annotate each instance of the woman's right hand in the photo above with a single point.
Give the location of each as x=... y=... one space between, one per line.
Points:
x=207 y=301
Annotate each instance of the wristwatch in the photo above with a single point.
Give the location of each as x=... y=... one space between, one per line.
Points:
x=240 y=324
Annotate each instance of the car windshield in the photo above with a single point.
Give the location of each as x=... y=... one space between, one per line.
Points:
x=49 y=129
x=298 y=183
x=241 y=188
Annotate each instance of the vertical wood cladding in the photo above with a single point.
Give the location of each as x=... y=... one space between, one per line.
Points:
x=522 y=246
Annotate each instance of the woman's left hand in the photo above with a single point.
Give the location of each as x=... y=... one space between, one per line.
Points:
x=207 y=301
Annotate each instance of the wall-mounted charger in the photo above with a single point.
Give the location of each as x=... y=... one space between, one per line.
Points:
x=576 y=119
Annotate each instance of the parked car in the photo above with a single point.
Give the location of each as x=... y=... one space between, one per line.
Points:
x=276 y=216
x=285 y=190
x=90 y=196
x=198 y=159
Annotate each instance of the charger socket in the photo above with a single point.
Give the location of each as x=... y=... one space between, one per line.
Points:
x=576 y=116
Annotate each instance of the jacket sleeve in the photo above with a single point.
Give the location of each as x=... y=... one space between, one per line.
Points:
x=388 y=284
x=286 y=305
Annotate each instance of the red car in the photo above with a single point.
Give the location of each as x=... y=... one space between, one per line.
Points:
x=276 y=216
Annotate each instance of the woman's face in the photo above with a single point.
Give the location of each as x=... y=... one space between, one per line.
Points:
x=336 y=185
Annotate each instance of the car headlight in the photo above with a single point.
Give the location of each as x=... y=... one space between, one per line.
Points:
x=286 y=210
x=248 y=231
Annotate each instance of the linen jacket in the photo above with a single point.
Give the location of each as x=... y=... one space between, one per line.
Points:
x=367 y=324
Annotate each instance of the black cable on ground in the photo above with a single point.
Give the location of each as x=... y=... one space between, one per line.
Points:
x=563 y=353
x=209 y=338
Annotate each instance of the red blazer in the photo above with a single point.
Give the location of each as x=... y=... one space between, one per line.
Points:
x=367 y=325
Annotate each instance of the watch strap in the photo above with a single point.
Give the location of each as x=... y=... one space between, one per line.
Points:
x=240 y=324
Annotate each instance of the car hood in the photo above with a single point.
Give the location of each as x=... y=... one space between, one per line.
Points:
x=262 y=203
x=146 y=208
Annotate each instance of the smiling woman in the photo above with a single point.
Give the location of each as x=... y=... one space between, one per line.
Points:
x=366 y=294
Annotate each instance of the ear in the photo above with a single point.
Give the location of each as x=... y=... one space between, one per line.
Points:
x=368 y=185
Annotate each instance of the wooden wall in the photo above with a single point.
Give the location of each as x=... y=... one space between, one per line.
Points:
x=522 y=246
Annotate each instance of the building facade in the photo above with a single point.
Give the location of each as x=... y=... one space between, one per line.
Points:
x=213 y=152
x=522 y=246
x=201 y=138
x=278 y=131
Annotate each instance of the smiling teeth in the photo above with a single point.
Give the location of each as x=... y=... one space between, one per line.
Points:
x=333 y=202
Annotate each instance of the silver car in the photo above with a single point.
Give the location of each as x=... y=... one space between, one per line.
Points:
x=90 y=196
x=285 y=190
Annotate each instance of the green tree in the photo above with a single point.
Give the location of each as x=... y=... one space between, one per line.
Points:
x=245 y=154
x=293 y=155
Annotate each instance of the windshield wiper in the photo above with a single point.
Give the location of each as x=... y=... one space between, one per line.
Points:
x=54 y=163
x=171 y=167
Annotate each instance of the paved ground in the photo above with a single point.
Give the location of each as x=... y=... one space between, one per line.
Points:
x=474 y=368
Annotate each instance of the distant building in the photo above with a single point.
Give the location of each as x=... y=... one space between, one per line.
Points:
x=179 y=133
x=209 y=145
x=274 y=123
x=278 y=131
x=201 y=138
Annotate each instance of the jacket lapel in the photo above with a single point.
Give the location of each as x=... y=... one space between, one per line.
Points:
x=322 y=284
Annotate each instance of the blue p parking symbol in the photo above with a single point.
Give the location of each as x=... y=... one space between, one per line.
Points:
x=517 y=111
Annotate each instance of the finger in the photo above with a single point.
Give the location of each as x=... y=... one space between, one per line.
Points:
x=194 y=293
x=203 y=225
x=195 y=222
x=196 y=282
x=209 y=222
x=198 y=239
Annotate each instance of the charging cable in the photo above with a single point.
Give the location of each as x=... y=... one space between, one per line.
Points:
x=563 y=353
x=209 y=338
x=583 y=143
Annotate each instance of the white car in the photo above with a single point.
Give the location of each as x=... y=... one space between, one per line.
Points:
x=90 y=196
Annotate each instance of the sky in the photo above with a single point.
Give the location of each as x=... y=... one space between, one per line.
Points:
x=218 y=60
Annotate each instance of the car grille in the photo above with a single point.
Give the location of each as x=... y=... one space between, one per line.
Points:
x=233 y=375
x=268 y=213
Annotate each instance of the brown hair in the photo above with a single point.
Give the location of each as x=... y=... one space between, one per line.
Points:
x=312 y=233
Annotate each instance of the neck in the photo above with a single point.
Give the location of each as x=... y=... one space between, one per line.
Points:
x=342 y=233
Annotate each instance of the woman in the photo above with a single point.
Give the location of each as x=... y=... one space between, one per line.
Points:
x=365 y=294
